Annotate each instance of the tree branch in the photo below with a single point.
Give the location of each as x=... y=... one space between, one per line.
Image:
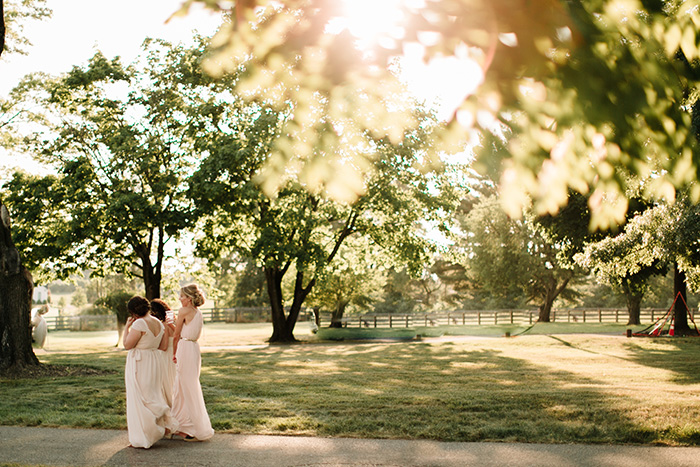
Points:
x=2 y=26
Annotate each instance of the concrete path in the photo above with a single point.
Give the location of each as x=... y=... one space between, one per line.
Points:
x=77 y=447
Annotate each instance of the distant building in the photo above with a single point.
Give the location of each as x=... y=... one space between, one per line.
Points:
x=41 y=294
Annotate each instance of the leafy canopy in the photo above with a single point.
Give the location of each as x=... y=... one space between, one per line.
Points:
x=588 y=91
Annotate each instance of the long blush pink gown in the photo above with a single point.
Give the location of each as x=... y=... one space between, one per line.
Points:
x=147 y=412
x=188 y=401
x=168 y=373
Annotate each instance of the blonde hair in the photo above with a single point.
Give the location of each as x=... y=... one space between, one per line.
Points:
x=194 y=293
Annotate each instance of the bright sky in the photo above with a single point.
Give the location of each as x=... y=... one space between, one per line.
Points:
x=78 y=28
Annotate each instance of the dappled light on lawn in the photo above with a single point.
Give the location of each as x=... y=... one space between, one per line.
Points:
x=533 y=388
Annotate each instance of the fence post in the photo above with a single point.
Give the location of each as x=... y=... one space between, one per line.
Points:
x=495 y=317
x=407 y=321
x=617 y=315
x=511 y=316
x=478 y=318
x=390 y=323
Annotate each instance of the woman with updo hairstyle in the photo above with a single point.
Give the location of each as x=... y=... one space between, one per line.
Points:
x=188 y=401
x=160 y=310
x=148 y=416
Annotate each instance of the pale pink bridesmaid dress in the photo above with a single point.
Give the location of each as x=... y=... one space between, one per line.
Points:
x=188 y=401
x=147 y=412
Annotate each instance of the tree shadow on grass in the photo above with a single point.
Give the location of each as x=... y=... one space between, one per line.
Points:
x=412 y=390
x=679 y=355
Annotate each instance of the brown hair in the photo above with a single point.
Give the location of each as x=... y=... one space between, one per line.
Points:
x=138 y=306
x=194 y=293
x=159 y=309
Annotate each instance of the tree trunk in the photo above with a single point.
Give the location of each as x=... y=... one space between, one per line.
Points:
x=545 y=311
x=16 y=289
x=551 y=293
x=120 y=332
x=337 y=315
x=151 y=276
x=2 y=26
x=283 y=326
x=151 y=282
x=634 y=303
x=280 y=330
x=680 y=308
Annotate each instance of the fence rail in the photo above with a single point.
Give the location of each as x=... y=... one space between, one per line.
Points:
x=107 y=322
x=379 y=320
x=488 y=317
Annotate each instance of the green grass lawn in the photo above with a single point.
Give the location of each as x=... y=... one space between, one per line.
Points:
x=547 y=384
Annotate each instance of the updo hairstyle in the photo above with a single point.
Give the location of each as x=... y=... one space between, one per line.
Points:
x=194 y=293
x=159 y=309
x=138 y=306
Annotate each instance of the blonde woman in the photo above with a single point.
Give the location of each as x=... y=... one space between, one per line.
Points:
x=188 y=401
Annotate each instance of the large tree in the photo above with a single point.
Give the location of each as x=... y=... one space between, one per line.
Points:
x=610 y=260
x=16 y=288
x=16 y=285
x=122 y=141
x=352 y=280
x=657 y=238
x=514 y=258
x=570 y=229
x=301 y=231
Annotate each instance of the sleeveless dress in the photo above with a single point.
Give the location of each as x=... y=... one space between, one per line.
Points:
x=39 y=330
x=147 y=413
x=168 y=373
x=188 y=402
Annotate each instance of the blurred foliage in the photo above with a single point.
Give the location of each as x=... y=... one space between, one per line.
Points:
x=576 y=95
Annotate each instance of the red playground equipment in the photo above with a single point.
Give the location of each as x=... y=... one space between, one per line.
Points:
x=658 y=328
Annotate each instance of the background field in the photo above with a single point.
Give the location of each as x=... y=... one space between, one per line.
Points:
x=536 y=387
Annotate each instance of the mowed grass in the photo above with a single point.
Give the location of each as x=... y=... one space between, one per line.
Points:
x=535 y=387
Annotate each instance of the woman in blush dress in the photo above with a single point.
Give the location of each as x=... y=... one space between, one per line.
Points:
x=188 y=401
x=148 y=417
x=160 y=309
x=39 y=327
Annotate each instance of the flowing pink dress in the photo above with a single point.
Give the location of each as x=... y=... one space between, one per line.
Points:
x=168 y=373
x=147 y=412
x=188 y=401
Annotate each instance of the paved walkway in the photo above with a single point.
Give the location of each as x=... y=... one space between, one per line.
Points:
x=76 y=447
